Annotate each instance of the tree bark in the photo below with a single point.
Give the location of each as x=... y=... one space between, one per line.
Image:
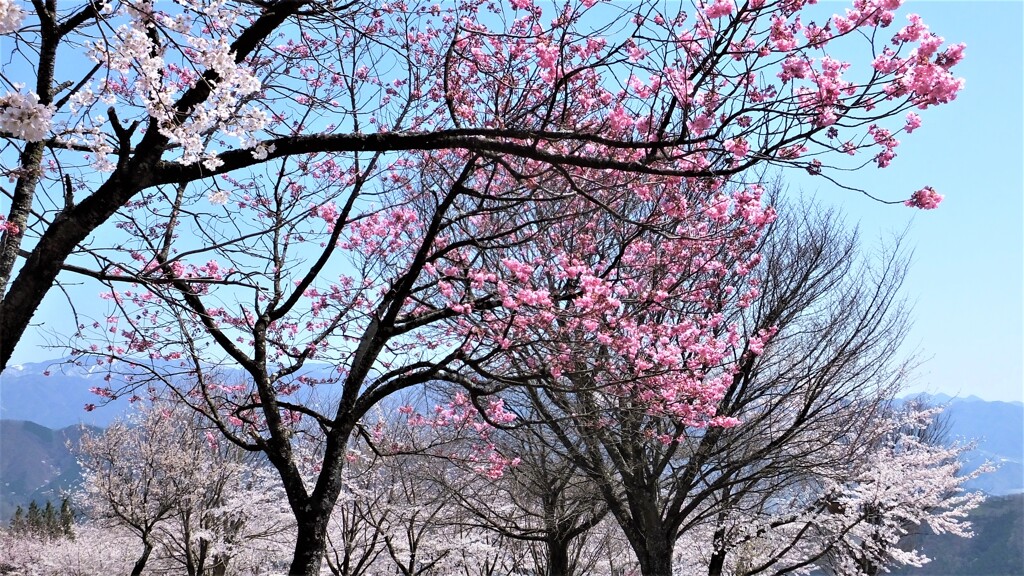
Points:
x=140 y=564
x=656 y=557
x=309 y=545
x=313 y=511
x=558 y=558
x=649 y=534
x=717 y=563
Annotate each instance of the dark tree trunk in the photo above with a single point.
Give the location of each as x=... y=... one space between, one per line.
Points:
x=140 y=564
x=309 y=545
x=649 y=535
x=717 y=563
x=219 y=566
x=656 y=557
x=313 y=512
x=558 y=557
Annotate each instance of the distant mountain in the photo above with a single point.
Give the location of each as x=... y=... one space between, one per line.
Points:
x=55 y=395
x=998 y=430
x=36 y=463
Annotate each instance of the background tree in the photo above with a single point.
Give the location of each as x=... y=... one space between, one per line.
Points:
x=354 y=545
x=45 y=524
x=18 y=520
x=830 y=366
x=34 y=518
x=851 y=517
x=189 y=500
x=398 y=511
x=914 y=480
x=543 y=502
x=67 y=518
x=94 y=550
x=817 y=362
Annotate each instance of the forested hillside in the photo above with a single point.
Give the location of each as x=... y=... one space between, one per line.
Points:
x=36 y=463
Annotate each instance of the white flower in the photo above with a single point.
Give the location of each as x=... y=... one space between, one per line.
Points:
x=260 y=152
x=212 y=162
x=11 y=15
x=23 y=116
x=219 y=197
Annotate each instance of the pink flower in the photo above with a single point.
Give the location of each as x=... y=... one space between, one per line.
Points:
x=911 y=32
x=724 y=422
x=913 y=122
x=719 y=9
x=926 y=199
x=10 y=228
x=738 y=147
x=699 y=124
x=794 y=67
x=782 y=34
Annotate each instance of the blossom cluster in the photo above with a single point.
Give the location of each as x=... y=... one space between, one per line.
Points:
x=11 y=15
x=926 y=199
x=461 y=415
x=23 y=116
x=144 y=72
x=8 y=227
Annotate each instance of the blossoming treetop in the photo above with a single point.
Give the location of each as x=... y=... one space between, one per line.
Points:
x=107 y=99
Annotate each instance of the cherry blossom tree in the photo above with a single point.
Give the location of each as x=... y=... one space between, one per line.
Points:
x=544 y=503
x=354 y=544
x=850 y=518
x=412 y=192
x=195 y=505
x=798 y=363
x=197 y=90
x=912 y=481
x=94 y=550
x=398 y=514
x=830 y=366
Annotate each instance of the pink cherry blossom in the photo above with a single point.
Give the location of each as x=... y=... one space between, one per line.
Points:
x=926 y=199
x=720 y=9
x=913 y=122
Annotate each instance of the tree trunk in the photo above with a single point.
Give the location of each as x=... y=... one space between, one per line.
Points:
x=310 y=543
x=717 y=563
x=656 y=556
x=558 y=558
x=219 y=567
x=140 y=564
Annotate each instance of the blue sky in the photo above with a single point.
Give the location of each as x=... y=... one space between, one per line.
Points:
x=965 y=281
x=966 y=278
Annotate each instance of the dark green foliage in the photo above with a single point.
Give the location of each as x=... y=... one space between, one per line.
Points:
x=51 y=525
x=35 y=518
x=47 y=523
x=18 y=522
x=67 y=519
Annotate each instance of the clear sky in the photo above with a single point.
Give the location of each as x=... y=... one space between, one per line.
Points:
x=966 y=278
